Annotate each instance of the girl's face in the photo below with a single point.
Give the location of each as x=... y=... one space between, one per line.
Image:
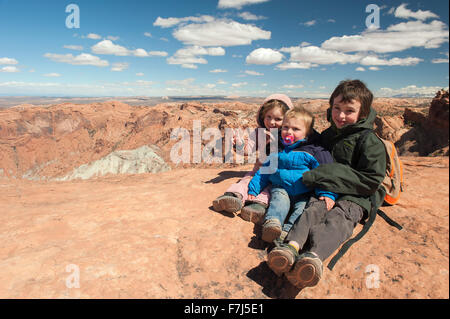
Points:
x=273 y=118
x=345 y=113
x=295 y=128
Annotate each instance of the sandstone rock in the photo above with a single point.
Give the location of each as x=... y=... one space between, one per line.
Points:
x=156 y=236
x=137 y=161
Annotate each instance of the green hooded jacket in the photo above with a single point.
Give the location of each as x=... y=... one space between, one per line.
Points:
x=355 y=175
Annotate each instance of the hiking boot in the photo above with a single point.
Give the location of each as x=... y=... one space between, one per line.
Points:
x=306 y=272
x=254 y=213
x=271 y=230
x=228 y=202
x=281 y=259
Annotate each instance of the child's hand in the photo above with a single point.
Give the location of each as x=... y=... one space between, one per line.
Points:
x=328 y=201
x=251 y=197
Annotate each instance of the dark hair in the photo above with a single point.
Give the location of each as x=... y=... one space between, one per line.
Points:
x=270 y=105
x=354 y=90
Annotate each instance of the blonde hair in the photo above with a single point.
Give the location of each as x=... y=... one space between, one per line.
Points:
x=302 y=114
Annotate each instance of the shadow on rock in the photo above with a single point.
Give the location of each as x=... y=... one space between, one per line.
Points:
x=273 y=286
x=224 y=213
x=256 y=242
x=224 y=175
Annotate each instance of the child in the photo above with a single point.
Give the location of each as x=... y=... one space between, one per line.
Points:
x=356 y=175
x=300 y=154
x=270 y=115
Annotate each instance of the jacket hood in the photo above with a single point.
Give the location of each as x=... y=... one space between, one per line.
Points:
x=361 y=124
x=280 y=97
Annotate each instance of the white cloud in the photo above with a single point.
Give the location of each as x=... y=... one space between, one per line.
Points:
x=238 y=85
x=396 y=38
x=93 y=36
x=374 y=68
x=9 y=69
x=157 y=53
x=108 y=47
x=237 y=4
x=441 y=60
x=52 y=75
x=250 y=16
x=316 y=55
x=249 y=72
x=113 y=38
x=295 y=65
x=293 y=86
x=403 y=12
x=218 y=71
x=190 y=56
x=74 y=47
x=148 y=34
x=170 y=22
x=360 y=69
x=310 y=23
x=411 y=90
x=374 y=60
x=139 y=74
x=264 y=56
x=220 y=33
x=8 y=61
x=119 y=66
x=82 y=59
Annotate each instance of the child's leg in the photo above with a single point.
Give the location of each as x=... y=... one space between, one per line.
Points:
x=337 y=227
x=297 y=210
x=276 y=214
x=312 y=215
x=241 y=187
x=279 y=206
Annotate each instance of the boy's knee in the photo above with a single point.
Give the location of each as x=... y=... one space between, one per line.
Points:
x=279 y=192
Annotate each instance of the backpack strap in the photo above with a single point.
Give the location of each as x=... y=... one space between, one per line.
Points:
x=350 y=242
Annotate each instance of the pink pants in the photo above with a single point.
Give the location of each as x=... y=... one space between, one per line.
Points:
x=241 y=187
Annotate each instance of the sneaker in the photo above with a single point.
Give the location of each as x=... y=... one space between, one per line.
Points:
x=254 y=213
x=281 y=259
x=271 y=230
x=228 y=202
x=307 y=271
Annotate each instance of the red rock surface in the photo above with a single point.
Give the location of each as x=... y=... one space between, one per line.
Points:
x=156 y=236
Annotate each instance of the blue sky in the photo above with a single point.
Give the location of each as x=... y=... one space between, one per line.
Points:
x=221 y=47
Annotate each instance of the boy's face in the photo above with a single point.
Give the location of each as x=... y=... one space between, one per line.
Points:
x=295 y=128
x=273 y=118
x=345 y=113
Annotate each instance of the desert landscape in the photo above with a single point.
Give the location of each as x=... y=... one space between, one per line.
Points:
x=93 y=206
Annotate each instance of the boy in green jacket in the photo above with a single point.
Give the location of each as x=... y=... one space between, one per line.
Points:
x=355 y=175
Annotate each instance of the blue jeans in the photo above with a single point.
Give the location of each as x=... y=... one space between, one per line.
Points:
x=281 y=204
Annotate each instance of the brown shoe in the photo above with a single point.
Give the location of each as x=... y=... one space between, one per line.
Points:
x=271 y=230
x=307 y=271
x=281 y=259
x=254 y=213
x=228 y=203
